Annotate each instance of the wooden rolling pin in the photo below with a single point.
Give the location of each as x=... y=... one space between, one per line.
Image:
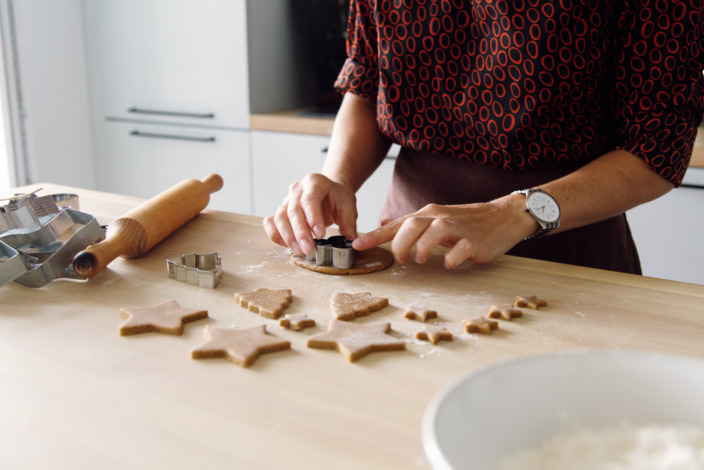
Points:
x=140 y=229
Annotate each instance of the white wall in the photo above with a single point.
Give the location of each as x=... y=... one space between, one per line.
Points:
x=5 y=183
x=54 y=90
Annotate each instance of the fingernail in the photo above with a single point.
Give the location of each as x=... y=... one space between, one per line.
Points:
x=318 y=231
x=306 y=246
x=296 y=248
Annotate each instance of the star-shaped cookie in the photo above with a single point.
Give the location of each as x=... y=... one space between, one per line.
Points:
x=269 y=303
x=356 y=340
x=418 y=313
x=296 y=321
x=506 y=312
x=167 y=317
x=350 y=306
x=241 y=346
x=480 y=325
x=434 y=334
x=530 y=302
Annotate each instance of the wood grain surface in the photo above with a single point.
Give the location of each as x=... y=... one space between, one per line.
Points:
x=75 y=394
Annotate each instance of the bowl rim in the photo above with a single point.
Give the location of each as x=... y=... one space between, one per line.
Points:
x=431 y=446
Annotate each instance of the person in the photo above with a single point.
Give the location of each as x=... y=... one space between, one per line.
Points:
x=596 y=104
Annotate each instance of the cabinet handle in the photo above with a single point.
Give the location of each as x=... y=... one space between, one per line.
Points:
x=172 y=136
x=692 y=186
x=171 y=113
x=324 y=150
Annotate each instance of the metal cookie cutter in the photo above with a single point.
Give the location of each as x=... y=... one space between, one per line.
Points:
x=335 y=251
x=200 y=270
x=39 y=239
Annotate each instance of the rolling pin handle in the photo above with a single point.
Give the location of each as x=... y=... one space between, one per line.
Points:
x=85 y=264
x=95 y=258
x=213 y=182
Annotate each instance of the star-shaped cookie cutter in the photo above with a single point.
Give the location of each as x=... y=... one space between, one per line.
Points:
x=202 y=270
x=40 y=235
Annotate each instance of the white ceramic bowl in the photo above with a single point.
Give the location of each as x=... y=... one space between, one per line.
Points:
x=478 y=420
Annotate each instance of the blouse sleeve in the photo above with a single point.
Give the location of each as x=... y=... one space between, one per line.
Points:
x=360 y=73
x=659 y=86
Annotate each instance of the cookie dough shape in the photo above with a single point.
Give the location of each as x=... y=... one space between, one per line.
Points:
x=350 y=306
x=480 y=325
x=296 y=321
x=355 y=340
x=530 y=302
x=434 y=334
x=505 y=312
x=365 y=262
x=167 y=317
x=241 y=346
x=423 y=314
x=269 y=303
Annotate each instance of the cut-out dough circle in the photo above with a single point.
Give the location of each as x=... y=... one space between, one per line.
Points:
x=365 y=262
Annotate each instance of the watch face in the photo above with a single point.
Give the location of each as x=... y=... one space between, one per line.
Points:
x=543 y=206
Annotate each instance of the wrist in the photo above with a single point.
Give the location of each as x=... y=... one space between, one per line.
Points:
x=518 y=222
x=342 y=175
x=525 y=225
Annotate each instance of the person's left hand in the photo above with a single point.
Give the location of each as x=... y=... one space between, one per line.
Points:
x=475 y=232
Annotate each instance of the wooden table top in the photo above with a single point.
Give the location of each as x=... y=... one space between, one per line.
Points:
x=75 y=394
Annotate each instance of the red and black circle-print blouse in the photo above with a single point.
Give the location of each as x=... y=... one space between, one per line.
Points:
x=517 y=83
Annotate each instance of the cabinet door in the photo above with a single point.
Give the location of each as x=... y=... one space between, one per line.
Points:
x=170 y=56
x=668 y=232
x=143 y=160
x=280 y=158
x=372 y=195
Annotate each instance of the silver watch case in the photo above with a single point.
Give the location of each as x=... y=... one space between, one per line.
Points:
x=545 y=225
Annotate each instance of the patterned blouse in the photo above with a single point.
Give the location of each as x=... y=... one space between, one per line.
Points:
x=519 y=83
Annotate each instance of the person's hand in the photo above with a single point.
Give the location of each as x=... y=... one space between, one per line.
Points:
x=475 y=232
x=312 y=204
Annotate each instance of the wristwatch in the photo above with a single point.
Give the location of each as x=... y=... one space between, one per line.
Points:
x=544 y=210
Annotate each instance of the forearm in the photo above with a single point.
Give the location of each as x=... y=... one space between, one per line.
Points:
x=357 y=147
x=481 y=232
x=605 y=187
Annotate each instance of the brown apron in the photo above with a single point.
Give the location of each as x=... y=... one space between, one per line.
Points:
x=423 y=178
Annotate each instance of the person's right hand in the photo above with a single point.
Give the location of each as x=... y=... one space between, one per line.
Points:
x=312 y=204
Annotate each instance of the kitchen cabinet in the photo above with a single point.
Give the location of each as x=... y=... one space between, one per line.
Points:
x=143 y=159
x=169 y=88
x=174 y=61
x=280 y=158
x=668 y=232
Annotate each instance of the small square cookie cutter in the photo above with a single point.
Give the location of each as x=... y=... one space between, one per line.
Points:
x=335 y=251
x=202 y=270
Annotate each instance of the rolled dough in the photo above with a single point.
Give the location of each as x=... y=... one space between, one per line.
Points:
x=367 y=261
